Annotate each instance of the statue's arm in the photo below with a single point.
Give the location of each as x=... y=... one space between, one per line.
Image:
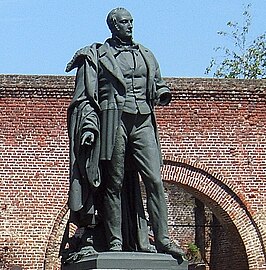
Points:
x=162 y=92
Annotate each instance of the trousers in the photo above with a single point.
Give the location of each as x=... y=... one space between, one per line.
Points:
x=136 y=135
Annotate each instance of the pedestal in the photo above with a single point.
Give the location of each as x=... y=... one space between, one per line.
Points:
x=126 y=260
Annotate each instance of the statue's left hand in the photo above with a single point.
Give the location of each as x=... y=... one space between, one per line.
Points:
x=87 y=138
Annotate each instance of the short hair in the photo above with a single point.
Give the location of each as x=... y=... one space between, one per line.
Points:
x=111 y=17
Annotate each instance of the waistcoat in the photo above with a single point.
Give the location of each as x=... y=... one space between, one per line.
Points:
x=134 y=70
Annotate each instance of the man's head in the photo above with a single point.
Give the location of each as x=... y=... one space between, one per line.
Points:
x=120 y=22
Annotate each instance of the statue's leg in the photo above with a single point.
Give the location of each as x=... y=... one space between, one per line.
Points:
x=112 y=194
x=147 y=156
x=146 y=153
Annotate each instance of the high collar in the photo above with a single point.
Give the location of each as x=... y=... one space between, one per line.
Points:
x=118 y=45
x=119 y=42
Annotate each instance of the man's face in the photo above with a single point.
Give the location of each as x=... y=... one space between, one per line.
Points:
x=124 y=25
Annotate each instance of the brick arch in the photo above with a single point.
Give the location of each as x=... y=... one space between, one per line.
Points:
x=229 y=208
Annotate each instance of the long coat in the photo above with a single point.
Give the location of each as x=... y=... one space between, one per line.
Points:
x=100 y=111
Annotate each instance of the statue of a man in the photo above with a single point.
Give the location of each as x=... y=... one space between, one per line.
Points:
x=111 y=120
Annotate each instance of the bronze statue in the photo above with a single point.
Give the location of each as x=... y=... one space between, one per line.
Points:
x=113 y=139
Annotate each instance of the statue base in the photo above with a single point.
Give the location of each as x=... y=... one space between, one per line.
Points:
x=126 y=260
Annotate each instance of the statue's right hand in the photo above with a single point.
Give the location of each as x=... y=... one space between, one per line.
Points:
x=87 y=138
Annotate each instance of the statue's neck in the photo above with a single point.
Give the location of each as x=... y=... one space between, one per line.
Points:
x=119 y=41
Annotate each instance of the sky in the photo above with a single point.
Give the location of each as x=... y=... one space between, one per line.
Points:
x=40 y=36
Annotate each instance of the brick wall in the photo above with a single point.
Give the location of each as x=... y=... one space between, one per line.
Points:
x=213 y=141
x=34 y=167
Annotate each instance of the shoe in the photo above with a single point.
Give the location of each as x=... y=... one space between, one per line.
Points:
x=149 y=249
x=174 y=250
x=116 y=247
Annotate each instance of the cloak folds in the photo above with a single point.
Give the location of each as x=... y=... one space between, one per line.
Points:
x=82 y=116
x=84 y=159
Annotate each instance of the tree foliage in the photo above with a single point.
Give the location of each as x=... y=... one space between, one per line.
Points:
x=246 y=60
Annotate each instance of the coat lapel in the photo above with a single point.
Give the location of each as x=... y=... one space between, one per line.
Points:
x=108 y=60
x=150 y=65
